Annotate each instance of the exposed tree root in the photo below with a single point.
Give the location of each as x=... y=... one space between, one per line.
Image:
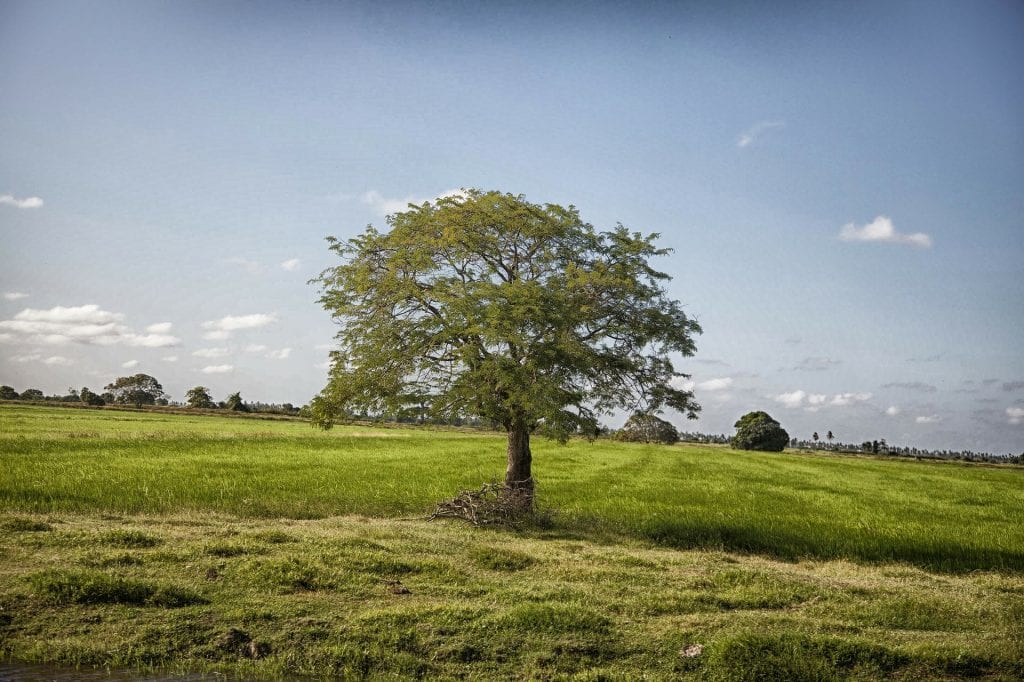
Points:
x=494 y=504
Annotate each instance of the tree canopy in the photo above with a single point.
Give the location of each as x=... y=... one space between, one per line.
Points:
x=647 y=428
x=487 y=305
x=199 y=397
x=758 y=431
x=138 y=390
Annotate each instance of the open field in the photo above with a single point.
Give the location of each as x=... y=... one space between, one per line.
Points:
x=270 y=549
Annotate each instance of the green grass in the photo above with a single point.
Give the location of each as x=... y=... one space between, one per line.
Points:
x=943 y=516
x=268 y=550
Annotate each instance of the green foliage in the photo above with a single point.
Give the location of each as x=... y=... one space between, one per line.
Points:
x=199 y=397
x=487 y=305
x=90 y=398
x=8 y=393
x=643 y=427
x=758 y=431
x=138 y=390
x=32 y=394
x=234 y=403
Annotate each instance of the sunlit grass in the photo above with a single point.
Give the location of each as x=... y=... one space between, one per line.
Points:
x=940 y=515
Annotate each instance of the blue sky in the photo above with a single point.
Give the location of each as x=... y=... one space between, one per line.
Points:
x=843 y=185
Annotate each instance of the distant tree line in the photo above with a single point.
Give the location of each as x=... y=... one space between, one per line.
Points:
x=141 y=389
x=881 y=447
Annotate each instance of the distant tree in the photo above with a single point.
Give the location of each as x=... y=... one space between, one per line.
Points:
x=815 y=436
x=31 y=394
x=644 y=427
x=758 y=431
x=8 y=393
x=90 y=398
x=516 y=313
x=199 y=397
x=234 y=402
x=138 y=390
x=829 y=436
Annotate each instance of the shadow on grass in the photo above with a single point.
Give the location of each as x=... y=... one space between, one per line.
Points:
x=785 y=545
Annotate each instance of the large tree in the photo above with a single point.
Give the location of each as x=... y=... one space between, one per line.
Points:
x=138 y=390
x=487 y=305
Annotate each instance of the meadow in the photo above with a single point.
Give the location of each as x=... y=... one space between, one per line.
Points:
x=269 y=549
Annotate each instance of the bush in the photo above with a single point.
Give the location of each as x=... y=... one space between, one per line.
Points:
x=758 y=431
x=646 y=428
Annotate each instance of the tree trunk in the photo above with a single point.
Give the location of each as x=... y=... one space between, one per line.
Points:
x=518 y=478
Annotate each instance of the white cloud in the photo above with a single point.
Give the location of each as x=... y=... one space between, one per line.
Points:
x=1015 y=415
x=170 y=358
x=843 y=399
x=279 y=354
x=881 y=229
x=25 y=358
x=817 y=399
x=211 y=353
x=255 y=348
x=217 y=369
x=233 y=323
x=160 y=328
x=386 y=206
x=27 y=202
x=929 y=419
x=750 y=136
x=14 y=295
x=80 y=324
x=218 y=335
x=892 y=411
x=715 y=384
x=290 y=264
x=791 y=399
x=130 y=363
x=58 y=360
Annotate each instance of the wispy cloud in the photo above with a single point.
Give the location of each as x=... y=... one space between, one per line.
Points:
x=280 y=354
x=250 y=266
x=919 y=386
x=27 y=202
x=211 y=353
x=386 y=206
x=170 y=358
x=160 y=328
x=751 y=134
x=14 y=296
x=255 y=348
x=892 y=410
x=80 y=324
x=1013 y=385
x=816 y=364
x=130 y=364
x=217 y=369
x=58 y=360
x=928 y=419
x=218 y=330
x=881 y=229
x=843 y=399
x=719 y=384
x=290 y=264
x=1015 y=415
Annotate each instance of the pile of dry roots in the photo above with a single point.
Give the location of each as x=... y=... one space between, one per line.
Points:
x=494 y=504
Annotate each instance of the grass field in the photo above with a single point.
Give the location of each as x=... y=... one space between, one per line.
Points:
x=266 y=548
